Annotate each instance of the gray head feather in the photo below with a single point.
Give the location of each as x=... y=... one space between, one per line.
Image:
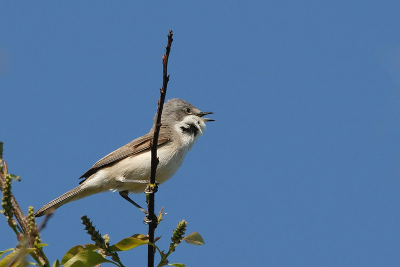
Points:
x=176 y=109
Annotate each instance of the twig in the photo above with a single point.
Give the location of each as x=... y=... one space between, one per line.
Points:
x=16 y=209
x=154 y=159
x=19 y=215
x=44 y=222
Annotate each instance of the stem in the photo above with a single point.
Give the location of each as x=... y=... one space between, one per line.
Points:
x=154 y=159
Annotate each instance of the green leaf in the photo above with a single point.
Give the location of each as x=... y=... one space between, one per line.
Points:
x=77 y=249
x=194 y=239
x=16 y=256
x=7 y=259
x=128 y=243
x=141 y=237
x=85 y=259
x=15 y=177
x=7 y=250
x=177 y=264
x=91 y=247
x=71 y=253
x=40 y=245
x=56 y=264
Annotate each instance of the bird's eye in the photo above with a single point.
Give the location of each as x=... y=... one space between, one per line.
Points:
x=187 y=110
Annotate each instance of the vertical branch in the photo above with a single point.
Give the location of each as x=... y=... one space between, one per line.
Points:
x=19 y=215
x=15 y=207
x=154 y=158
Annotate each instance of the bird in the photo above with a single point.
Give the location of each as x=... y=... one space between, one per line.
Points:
x=127 y=169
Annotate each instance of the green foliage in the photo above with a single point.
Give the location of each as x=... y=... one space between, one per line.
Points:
x=1 y=150
x=194 y=239
x=16 y=257
x=6 y=199
x=91 y=255
x=76 y=250
x=86 y=258
x=56 y=264
x=128 y=243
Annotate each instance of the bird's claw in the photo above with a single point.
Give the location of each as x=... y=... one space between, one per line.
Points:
x=151 y=188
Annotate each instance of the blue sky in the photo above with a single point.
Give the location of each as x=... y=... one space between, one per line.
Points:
x=301 y=167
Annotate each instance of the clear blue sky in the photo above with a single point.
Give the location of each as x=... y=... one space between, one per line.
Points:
x=302 y=166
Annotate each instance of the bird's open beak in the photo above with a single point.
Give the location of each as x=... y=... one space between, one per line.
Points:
x=201 y=114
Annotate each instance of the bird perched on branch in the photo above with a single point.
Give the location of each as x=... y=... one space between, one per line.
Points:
x=128 y=168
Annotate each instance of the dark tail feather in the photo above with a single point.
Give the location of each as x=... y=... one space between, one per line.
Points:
x=71 y=195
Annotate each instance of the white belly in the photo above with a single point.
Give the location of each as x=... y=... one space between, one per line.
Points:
x=138 y=167
x=118 y=176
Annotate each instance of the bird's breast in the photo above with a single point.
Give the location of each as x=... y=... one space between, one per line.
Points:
x=121 y=175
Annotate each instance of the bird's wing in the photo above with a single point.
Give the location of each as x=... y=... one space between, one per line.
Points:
x=133 y=148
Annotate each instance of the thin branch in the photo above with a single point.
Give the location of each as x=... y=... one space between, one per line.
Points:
x=19 y=215
x=16 y=209
x=154 y=158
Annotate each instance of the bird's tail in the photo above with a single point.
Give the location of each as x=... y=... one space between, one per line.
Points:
x=72 y=195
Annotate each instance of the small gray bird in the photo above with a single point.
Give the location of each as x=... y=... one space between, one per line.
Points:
x=127 y=169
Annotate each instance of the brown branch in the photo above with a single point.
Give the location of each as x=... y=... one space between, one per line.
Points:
x=15 y=207
x=19 y=215
x=154 y=158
